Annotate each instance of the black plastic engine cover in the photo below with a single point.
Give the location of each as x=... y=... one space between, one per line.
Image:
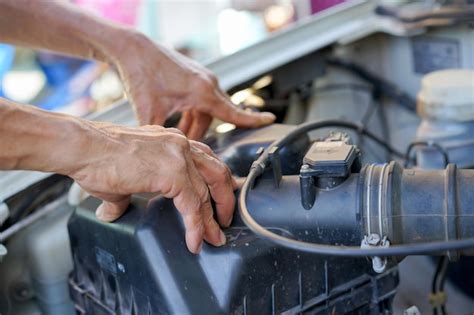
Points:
x=140 y=265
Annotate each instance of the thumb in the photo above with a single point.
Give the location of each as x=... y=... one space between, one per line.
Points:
x=112 y=210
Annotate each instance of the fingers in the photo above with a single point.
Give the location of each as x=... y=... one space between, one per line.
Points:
x=228 y=112
x=185 y=172
x=219 y=180
x=194 y=124
x=212 y=231
x=199 y=126
x=206 y=149
x=193 y=202
x=188 y=204
x=147 y=112
x=203 y=173
x=203 y=147
x=238 y=182
x=185 y=122
x=112 y=209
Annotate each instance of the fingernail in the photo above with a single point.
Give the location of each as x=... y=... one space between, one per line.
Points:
x=235 y=185
x=223 y=239
x=99 y=213
x=267 y=117
x=199 y=248
x=229 y=222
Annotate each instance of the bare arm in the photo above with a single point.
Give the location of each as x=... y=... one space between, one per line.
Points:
x=112 y=162
x=159 y=82
x=109 y=161
x=58 y=26
x=31 y=139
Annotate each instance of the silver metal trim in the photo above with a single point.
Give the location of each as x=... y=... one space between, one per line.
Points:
x=370 y=170
x=340 y=22
x=381 y=194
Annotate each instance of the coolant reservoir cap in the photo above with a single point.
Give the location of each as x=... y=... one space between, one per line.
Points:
x=447 y=95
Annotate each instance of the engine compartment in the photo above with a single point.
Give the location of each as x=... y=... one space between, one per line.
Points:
x=137 y=264
x=129 y=267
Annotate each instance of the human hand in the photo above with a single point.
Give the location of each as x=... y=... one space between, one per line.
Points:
x=161 y=82
x=120 y=161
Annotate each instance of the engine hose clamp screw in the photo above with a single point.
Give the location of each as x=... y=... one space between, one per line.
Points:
x=379 y=264
x=373 y=239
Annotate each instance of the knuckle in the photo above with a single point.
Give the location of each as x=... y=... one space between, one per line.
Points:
x=189 y=206
x=203 y=193
x=176 y=131
x=180 y=142
x=157 y=185
x=210 y=218
x=213 y=79
x=204 y=85
x=205 y=147
x=194 y=208
x=196 y=227
x=193 y=222
x=152 y=127
x=222 y=171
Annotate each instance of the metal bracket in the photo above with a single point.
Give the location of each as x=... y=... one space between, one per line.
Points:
x=379 y=264
x=3 y=251
x=451 y=209
x=307 y=188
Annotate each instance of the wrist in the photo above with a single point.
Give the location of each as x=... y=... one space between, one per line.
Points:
x=120 y=44
x=105 y=38
x=71 y=146
x=60 y=145
x=88 y=147
x=33 y=139
x=93 y=148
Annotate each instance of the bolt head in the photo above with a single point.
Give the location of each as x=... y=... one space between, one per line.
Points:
x=373 y=239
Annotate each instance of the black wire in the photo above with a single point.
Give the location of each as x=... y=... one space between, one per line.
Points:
x=442 y=275
x=380 y=85
x=353 y=87
x=257 y=169
x=429 y=144
x=345 y=86
x=371 y=108
x=369 y=113
x=384 y=126
x=357 y=88
x=376 y=106
x=434 y=283
x=441 y=281
x=329 y=123
x=437 y=285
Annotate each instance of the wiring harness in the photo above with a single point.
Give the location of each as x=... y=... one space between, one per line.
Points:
x=258 y=168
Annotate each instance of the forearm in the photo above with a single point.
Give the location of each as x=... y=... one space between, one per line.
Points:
x=60 y=27
x=32 y=139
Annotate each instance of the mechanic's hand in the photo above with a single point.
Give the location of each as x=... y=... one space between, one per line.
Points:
x=161 y=82
x=121 y=161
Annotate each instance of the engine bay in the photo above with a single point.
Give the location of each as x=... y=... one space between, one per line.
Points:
x=370 y=163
